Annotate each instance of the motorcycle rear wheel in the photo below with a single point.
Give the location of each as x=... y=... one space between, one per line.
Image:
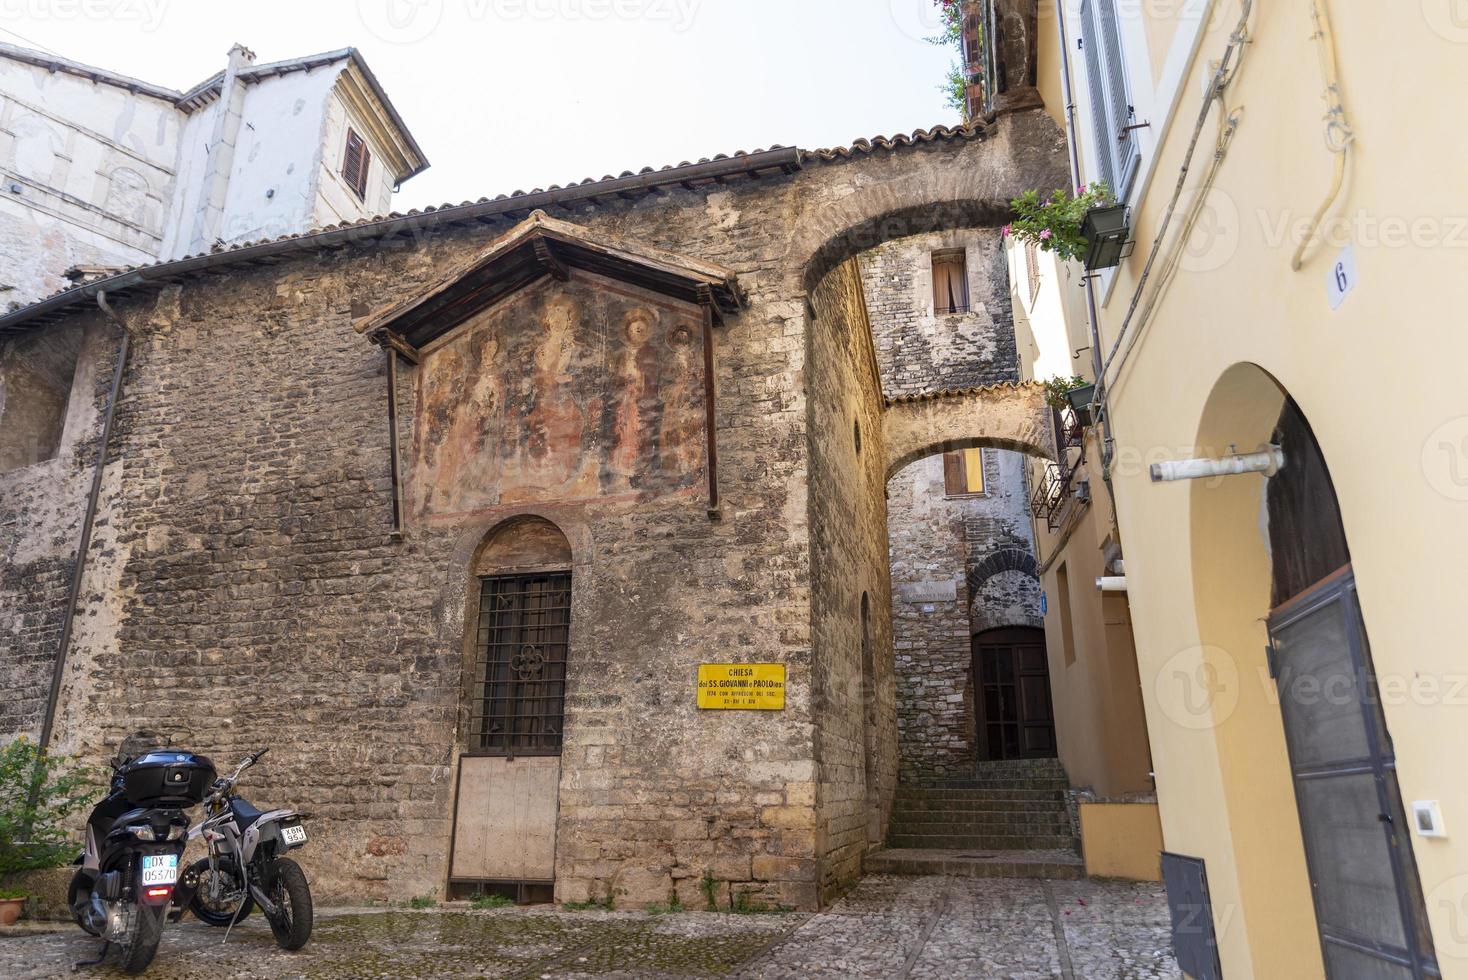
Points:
x=222 y=915
x=142 y=944
x=292 y=922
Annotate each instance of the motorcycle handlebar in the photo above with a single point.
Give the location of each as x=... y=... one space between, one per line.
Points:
x=225 y=783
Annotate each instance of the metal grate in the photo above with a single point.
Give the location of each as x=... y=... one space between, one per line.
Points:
x=1193 y=940
x=520 y=664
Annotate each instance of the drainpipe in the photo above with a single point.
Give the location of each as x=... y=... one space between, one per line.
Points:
x=88 y=520
x=1098 y=401
x=1269 y=460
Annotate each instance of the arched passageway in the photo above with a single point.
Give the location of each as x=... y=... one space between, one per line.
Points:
x=1307 y=763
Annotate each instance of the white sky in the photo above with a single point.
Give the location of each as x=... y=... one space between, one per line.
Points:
x=515 y=94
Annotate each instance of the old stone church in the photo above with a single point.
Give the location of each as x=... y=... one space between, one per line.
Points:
x=464 y=512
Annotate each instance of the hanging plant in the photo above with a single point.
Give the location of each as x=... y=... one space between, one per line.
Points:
x=1057 y=387
x=1053 y=224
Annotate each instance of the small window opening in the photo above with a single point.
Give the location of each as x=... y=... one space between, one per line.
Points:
x=856 y=435
x=963 y=473
x=1062 y=602
x=35 y=390
x=950 y=281
x=356 y=162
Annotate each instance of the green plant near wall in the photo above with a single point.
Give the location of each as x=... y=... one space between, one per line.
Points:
x=38 y=792
x=955 y=84
x=1054 y=223
x=1056 y=387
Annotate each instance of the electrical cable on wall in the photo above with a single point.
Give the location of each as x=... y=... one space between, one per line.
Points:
x=1223 y=77
x=1338 y=133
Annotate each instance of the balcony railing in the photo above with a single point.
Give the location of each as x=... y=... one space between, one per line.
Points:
x=1059 y=483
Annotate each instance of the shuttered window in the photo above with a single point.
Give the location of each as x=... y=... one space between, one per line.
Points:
x=950 y=282
x=963 y=473
x=356 y=162
x=1117 y=154
x=1032 y=270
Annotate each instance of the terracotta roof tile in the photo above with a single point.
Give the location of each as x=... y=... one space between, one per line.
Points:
x=776 y=156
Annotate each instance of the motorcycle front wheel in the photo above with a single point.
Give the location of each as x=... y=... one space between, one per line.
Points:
x=225 y=909
x=292 y=921
x=142 y=942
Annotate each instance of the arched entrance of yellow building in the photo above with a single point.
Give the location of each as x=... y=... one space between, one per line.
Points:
x=1308 y=765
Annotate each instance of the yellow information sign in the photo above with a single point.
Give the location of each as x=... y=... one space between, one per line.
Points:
x=755 y=687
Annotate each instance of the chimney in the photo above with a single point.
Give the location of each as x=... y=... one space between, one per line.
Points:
x=239 y=57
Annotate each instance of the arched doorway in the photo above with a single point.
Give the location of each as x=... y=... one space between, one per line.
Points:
x=1011 y=674
x=517 y=650
x=1283 y=678
x=1368 y=899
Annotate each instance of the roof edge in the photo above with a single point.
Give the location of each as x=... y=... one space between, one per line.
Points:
x=785 y=158
x=56 y=63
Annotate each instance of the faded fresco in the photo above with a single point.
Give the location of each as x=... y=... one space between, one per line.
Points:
x=567 y=391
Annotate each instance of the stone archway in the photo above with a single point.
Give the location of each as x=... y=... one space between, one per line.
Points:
x=1003 y=416
x=971 y=188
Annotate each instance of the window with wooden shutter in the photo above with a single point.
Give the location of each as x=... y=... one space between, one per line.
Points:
x=963 y=473
x=950 y=282
x=356 y=162
x=1118 y=155
x=1032 y=270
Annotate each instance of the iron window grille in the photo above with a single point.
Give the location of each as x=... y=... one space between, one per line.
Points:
x=521 y=646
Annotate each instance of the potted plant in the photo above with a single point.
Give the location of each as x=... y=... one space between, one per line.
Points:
x=38 y=793
x=1074 y=393
x=12 y=901
x=1107 y=235
x=1088 y=226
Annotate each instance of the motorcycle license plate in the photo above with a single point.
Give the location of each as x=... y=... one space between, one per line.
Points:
x=293 y=835
x=160 y=869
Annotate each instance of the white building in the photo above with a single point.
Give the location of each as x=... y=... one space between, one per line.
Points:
x=98 y=170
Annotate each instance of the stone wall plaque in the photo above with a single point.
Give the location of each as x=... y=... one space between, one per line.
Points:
x=945 y=591
x=752 y=687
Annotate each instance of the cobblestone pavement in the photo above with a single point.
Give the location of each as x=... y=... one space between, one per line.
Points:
x=888 y=927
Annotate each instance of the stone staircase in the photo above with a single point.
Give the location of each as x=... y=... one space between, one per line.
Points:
x=1009 y=820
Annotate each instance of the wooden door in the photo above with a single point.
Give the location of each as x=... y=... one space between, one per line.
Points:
x=1012 y=696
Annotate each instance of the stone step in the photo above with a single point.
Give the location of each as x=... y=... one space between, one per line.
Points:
x=987 y=793
x=1027 y=765
x=981 y=823
x=910 y=805
x=1063 y=864
x=1059 y=785
x=983 y=842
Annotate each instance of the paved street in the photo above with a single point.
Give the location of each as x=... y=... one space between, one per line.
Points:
x=888 y=927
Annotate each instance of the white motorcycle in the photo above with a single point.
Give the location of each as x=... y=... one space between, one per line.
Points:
x=246 y=865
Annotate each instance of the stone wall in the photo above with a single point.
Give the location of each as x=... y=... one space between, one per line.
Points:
x=930 y=637
x=935 y=539
x=41 y=506
x=921 y=351
x=244 y=589
x=856 y=733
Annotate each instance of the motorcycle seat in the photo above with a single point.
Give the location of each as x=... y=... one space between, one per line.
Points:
x=244 y=813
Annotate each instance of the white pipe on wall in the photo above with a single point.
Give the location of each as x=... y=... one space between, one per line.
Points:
x=1268 y=460
x=1111 y=583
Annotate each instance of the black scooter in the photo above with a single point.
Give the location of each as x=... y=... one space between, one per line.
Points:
x=135 y=839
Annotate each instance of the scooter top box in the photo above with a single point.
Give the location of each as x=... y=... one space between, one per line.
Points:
x=166 y=776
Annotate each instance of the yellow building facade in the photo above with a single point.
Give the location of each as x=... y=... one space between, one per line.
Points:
x=1299 y=228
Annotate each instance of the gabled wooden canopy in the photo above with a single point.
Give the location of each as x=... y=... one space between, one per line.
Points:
x=537 y=247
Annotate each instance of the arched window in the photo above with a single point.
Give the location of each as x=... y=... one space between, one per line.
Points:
x=522 y=634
